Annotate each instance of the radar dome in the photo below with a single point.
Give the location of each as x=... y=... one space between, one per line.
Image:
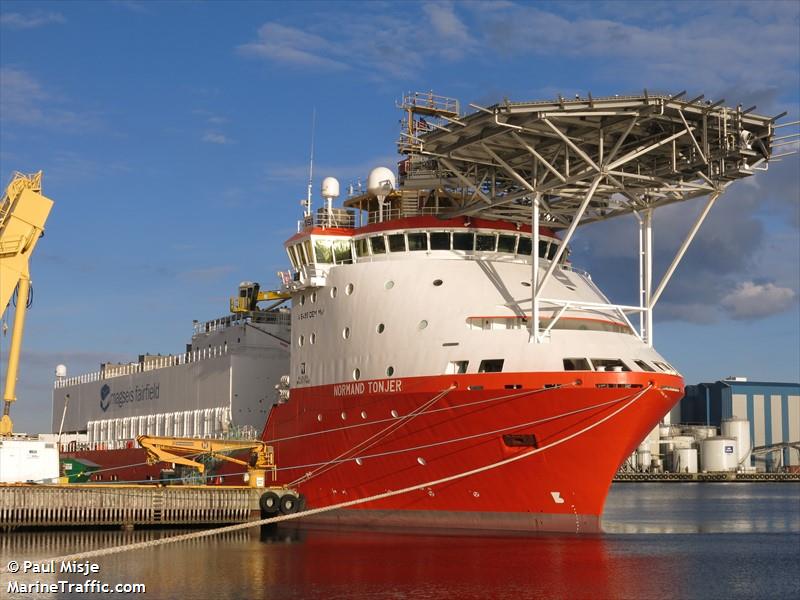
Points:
x=330 y=187
x=61 y=370
x=380 y=182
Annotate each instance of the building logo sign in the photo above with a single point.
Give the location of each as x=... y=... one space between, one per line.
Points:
x=105 y=402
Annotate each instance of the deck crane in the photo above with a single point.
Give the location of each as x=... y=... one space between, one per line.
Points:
x=23 y=213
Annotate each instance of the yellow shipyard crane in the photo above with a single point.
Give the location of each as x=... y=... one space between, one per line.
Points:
x=23 y=213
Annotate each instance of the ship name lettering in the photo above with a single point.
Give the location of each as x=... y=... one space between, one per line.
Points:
x=388 y=386
x=348 y=389
x=310 y=314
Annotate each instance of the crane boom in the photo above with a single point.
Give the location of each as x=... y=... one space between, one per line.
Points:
x=23 y=213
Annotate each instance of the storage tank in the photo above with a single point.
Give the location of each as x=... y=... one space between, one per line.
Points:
x=684 y=460
x=739 y=429
x=643 y=459
x=700 y=432
x=719 y=454
x=665 y=448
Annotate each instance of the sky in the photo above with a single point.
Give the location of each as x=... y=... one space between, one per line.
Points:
x=175 y=137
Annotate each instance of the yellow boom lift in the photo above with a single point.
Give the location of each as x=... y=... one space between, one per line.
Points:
x=184 y=451
x=23 y=212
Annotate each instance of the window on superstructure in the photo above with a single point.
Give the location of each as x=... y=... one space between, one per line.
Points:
x=577 y=364
x=463 y=241
x=378 y=244
x=323 y=251
x=485 y=242
x=551 y=254
x=397 y=242
x=362 y=248
x=457 y=367
x=440 y=240
x=524 y=246
x=543 y=248
x=609 y=364
x=342 y=252
x=309 y=256
x=491 y=365
x=644 y=366
x=417 y=241
x=506 y=243
x=292 y=258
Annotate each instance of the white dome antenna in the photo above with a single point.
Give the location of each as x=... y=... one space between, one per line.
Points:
x=61 y=371
x=330 y=190
x=380 y=183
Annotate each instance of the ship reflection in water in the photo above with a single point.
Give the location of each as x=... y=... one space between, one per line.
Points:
x=662 y=540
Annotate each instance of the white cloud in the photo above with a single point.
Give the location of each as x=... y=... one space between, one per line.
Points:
x=24 y=101
x=213 y=137
x=292 y=46
x=756 y=300
x=35 y=19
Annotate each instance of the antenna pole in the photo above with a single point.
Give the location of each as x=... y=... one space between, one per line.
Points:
x=311 y=163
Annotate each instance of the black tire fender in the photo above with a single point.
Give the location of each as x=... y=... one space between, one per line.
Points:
x=289 y=504
x=270 y=503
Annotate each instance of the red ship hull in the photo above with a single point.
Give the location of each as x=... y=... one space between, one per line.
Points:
x=336 y=444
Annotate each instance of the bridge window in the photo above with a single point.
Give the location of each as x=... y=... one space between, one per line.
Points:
x=464 y=241
x=362 y=248
x=524 y=246
x=378 y=244
x=644 y=366
x=397 y=242
x=440 y=240
x=543 y=248
x=323 y=251
x=417 y=241
x=552 y=252
x=342 y=251
x=485 y=243
x=506 y=243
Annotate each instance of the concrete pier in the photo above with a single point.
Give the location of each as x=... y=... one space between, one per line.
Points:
x=725 y=477
x=27 y=505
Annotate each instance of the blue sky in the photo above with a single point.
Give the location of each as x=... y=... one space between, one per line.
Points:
x=174 y=139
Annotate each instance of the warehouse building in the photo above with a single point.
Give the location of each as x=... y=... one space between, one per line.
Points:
x=773 y=410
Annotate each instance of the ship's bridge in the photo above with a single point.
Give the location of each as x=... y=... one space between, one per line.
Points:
x=317 y=248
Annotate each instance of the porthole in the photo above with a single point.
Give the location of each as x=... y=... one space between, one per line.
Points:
x=319 y=418
x=313 y=297
x=526 y=283
x=334 y=291
x=389 y=284
x=389 y=371
x=437 y=282
x=300 y=341
x=395 y=414
x=421 y=460
x=344 y=415
x=313 y=338
x=422 y=325
x=380 y=328
x=346 y=332
x=363 y=414
x=302 y=299
x=349 y=289
x=359 y=461
x=356 y=374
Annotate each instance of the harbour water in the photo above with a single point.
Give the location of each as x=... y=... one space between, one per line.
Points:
x=661 y=540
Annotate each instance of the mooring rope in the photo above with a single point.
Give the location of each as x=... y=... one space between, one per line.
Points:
x=313 y=511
